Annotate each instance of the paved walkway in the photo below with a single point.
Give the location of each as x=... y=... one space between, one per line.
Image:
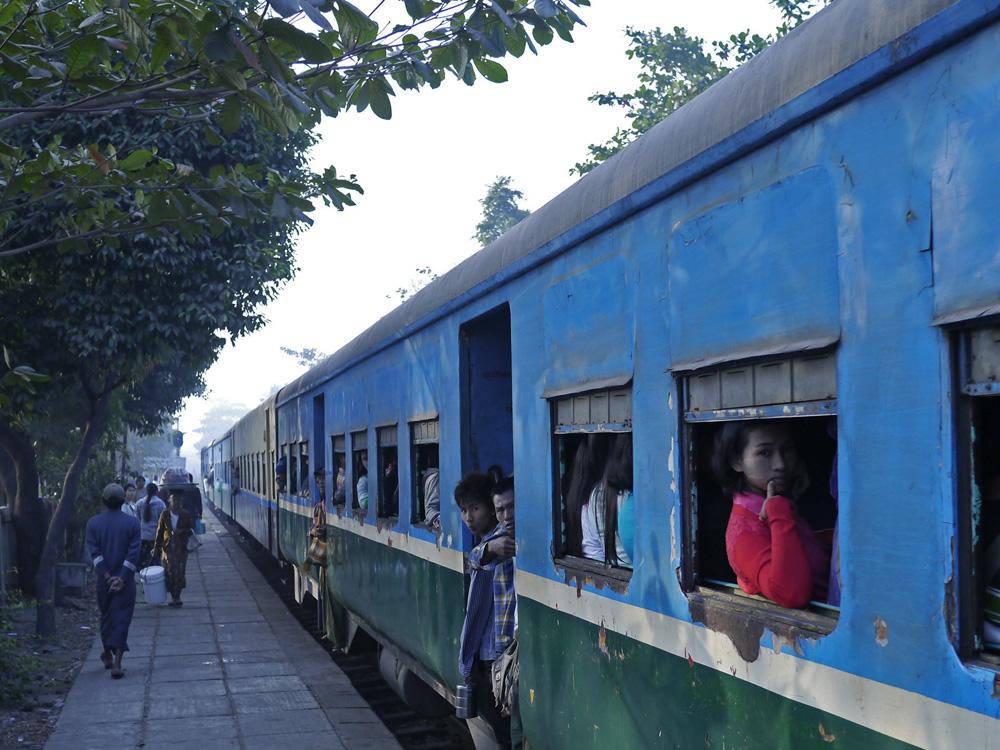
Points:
x=232 y=668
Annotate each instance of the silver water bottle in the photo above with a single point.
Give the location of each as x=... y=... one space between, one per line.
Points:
x=465 y=702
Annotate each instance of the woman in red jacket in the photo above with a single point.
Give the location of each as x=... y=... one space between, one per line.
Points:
x=772 y=550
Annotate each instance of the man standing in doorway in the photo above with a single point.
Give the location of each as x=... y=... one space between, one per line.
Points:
x=113 y=541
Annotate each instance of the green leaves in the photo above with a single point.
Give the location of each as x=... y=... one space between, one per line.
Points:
x=220 y=66
x=80 y=55
x=138 y=159
x=491 y=71
x=308 y=47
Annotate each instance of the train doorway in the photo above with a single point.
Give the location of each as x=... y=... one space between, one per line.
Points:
x=487 y=397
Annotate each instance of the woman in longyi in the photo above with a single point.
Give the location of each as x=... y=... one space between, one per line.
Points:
x=172 y=534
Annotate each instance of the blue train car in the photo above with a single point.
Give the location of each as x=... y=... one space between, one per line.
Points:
x=812 y=242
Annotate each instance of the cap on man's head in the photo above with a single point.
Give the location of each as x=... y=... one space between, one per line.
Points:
x=113 y=491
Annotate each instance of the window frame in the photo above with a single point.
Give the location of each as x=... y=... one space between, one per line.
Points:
x=380 y=501
x=603 y=575
x=417 y=508
x=352 y=489
x=342 y=436
x=710 y=595
x=966 y=620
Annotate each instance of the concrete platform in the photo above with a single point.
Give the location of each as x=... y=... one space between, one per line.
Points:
x=232 y=668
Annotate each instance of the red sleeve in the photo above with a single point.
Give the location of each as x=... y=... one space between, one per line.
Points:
x=779 y=569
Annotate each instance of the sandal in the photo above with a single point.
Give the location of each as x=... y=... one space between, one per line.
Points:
x=117 y=674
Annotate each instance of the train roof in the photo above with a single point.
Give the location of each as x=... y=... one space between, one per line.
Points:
x=833 y=40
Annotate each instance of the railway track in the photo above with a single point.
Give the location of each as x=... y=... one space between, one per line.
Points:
x=411 y=730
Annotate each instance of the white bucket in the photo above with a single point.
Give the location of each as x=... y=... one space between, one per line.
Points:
x=154 y=584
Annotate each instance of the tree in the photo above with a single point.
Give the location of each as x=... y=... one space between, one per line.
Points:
x=500 y=210
x=675 y=68
x=305 y=357
x=424 y=276
x=219 y=418
x=215 y=63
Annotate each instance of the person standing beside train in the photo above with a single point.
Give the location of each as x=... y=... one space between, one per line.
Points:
x=477 y=646
x=501 y=552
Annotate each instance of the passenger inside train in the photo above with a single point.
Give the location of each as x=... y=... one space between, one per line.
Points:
x=361 y=472
x=281 y=473
x=340 y=480
x=772 y=549
x=601 y=468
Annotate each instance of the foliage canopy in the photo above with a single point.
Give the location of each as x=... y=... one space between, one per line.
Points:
x=214 y=63
x=675 y=67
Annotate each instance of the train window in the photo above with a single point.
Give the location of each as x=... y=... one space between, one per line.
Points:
x=388 y=472
x=359 y=471
x=272 y=473
x=424 y=463
x=304 y=469
x=979 y=509
x=793 y=400
x=592 y=453
x=293 y=469
x=339 y=470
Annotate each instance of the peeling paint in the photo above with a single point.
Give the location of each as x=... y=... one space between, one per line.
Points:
x=531 y=696
x=827 y=736
x=602 y=640
x=672 y=464
x=881 y=632
x=670 y=400
x=673 y=534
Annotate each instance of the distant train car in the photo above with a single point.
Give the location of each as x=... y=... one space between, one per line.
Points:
x=812 y=241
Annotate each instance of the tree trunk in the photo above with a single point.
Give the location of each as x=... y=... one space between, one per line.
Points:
x=28 y=511
x=45 y=583
x=8 y=479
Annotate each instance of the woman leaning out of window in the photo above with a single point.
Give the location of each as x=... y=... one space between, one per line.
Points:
x=772 y=550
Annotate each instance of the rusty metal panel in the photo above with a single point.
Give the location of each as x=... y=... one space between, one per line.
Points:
x=772 y=383
x=737 y=387
x=338 y=444
x=581 y=410
x=814 y=378
x=599 y=408
x=704 y=392
x=564 y=411
x=425 y=432
x=359 y=440
x=387 y=436
x=620 y=406
x=984 y=350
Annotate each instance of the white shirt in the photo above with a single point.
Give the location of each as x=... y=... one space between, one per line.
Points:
x=592 y=524
x=129 y=510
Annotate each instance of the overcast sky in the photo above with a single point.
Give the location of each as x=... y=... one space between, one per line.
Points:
x=424 y=172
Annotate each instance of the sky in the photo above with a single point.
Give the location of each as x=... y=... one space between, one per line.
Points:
x=424 y=172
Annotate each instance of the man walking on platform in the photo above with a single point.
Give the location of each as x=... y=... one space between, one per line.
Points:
x=113 y=542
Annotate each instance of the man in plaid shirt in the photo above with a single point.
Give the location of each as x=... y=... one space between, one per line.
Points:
x=496 y=552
